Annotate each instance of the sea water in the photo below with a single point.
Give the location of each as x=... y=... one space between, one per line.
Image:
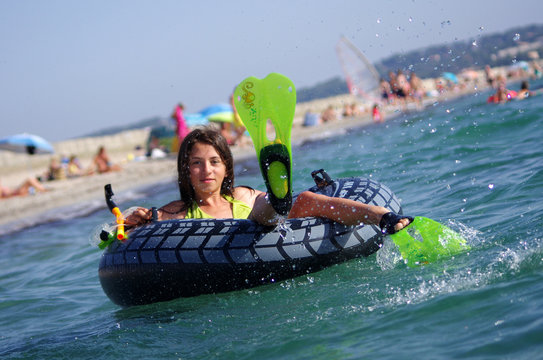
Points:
x=475 y=166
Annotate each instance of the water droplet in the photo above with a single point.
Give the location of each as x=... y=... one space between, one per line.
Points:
x=491 y=186
x=516 y=37
x=410 y=19
x=378 y=20
x=481 y=28
x=474 y=43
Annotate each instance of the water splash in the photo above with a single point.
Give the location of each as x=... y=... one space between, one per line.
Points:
x=388 y=256
x=94 y=236
x=285 y=232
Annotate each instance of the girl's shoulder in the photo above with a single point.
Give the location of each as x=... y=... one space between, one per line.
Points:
x=174 y=210
x=246 y=194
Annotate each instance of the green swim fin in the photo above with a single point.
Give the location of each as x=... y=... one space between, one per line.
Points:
x=425 y=240
x=258 y=103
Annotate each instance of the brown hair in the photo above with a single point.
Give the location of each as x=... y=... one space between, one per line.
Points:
x=209 y=136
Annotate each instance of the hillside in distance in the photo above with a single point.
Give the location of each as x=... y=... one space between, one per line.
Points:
x=498 y=49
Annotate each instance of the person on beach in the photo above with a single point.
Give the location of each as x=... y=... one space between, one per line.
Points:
x=347 y=111
x=102 y=163
x=239 y=127
x=387 y=95
x=536 y=69
x=416 y=89
x=402 y=83
x=74 y=168
x=489 y=76
x=329 y=114
x=206 y=185
x=311 y=119
x=28 y=186
x=376 y=114
x=398 y=84
x=181 y=128
x=56 y=171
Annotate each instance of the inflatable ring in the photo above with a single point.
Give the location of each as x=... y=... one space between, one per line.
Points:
x=169 y=259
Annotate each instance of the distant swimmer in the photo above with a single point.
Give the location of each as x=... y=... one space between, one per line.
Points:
x=502 y=94
x=525 y=91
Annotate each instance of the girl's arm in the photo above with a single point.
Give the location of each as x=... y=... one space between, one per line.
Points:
x=344 y=211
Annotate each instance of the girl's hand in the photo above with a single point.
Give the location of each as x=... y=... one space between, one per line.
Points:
x=138 y=217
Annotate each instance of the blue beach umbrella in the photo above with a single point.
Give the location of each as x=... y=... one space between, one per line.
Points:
x=450 y=76
x=218 y=112
x=195 y=119
x=26 y=143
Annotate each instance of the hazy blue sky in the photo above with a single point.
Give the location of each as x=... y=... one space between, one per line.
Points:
x=70 y=67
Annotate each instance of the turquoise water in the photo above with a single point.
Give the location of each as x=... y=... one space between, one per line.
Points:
x=473 y=166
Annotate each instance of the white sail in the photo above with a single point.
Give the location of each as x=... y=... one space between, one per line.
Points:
x=361 y=76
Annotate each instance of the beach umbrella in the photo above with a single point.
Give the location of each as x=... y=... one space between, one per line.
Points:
x=450 y=76
x=26 y=143
x=225 y=116
x=218 y=112
x=195 y=119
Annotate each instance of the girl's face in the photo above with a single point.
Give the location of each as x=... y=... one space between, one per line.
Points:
x=207 y=170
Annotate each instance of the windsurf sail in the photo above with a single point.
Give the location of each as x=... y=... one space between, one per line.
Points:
x=361 y=76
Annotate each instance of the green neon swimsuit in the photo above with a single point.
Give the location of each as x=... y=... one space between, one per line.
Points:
x=240 y=210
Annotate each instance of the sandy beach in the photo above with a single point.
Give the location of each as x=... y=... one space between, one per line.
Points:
x=18 y=211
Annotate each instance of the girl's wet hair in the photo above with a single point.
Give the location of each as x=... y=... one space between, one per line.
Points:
x=209 y=136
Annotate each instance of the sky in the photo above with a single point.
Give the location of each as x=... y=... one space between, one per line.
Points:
x=68 y=68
